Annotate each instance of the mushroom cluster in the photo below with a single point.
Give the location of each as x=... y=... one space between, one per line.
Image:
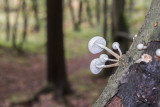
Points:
x=98 y=44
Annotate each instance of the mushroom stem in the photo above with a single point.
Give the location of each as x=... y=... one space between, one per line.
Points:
x=113 y=60
x=109 y=50
x=119 y=50
x=108 y=66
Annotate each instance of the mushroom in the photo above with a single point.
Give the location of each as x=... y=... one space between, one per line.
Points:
x=116 y=46
x=105 y=58
x=96 y=66
x=141 y=46
x=92 y=45
x=134 y=36
x=97 y=44
x=158 y=52
x=108 y=66
x=144 y=58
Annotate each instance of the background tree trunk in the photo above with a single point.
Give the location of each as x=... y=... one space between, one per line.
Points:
x=80 y=14
x=76 y=23
x=55 y=50
x=14 y=31
x=89 y=13
x=105 y=19
x=72 y=13
x=35 y=7
x=119 y=23
x=25 y=23
x=7 y=10
x=97 y=10
x=146 y=74
x=131 y=8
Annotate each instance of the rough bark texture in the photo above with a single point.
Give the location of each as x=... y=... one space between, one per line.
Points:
x=148 y=33
x=140 y=86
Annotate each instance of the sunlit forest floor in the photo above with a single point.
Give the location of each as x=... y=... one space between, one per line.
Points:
x=22 y=75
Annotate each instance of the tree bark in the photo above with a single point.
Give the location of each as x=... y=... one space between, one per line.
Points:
x=145 y=73
x=56 y=74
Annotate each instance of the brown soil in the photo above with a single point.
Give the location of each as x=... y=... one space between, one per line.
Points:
x=21 y=76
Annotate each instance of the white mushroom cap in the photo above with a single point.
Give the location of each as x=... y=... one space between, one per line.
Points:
x=103 y=58
x=93 y=66
x=115 y=45
x=158 y=52
x=140 y=46
x=92 y=45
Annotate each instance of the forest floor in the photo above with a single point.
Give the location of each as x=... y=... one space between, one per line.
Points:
x=22 y=75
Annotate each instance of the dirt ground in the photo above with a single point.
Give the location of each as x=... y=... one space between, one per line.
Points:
x=21 y=76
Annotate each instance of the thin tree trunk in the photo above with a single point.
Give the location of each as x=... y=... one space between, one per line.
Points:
x=14 y=32
x=78 y=22
x=25 y=20
x=36 y=11
x=131 y=7
x=137 y=85
x=119 y=23
x=89 y=13
x=98 y=10
x=105 y=19
x=56 y=74
x=72 y=13
x=80 y=13
x=7 y=10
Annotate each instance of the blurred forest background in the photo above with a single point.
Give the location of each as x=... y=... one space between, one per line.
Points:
x=29 y=70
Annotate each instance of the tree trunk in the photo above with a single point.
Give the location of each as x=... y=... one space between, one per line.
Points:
x=98 y=10
x=36 y=11
x=105 y=19
x=55 y=50
x=89 y=13
x=80 y=14
x=131 y=8
x=7 y=10
x=14 y=35
x=137 y=85
x=119 y=23
x=25 y=21
x=72 y=13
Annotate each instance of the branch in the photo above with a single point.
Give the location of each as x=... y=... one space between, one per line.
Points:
x=125 y=35
x=148 y=33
